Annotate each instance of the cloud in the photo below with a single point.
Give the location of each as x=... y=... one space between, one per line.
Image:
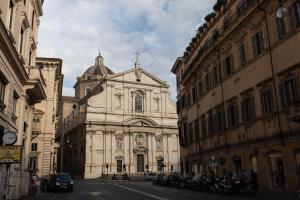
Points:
x=77 y=30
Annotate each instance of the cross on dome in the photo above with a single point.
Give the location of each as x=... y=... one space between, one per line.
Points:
x=99 y=60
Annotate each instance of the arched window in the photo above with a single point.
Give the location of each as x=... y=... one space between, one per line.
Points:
x=138 y=103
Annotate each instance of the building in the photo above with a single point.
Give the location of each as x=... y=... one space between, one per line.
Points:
x=43 y=155
x=123 y=122
x=238 y=93
x=21 y=84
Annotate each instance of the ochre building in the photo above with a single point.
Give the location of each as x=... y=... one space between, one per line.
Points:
x=238 y=93
x=117 y=123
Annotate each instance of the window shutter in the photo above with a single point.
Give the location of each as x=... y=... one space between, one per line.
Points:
x=252 y=109
x=263 y=105
x=296 y=89
x=228 y=117
x=261 y=40
x=292 y=17
x=236 y=115
x=231 y=64
x=297 y=13
x=243 y=111
x=224 y=67
x=284 y=102
x=254 y=44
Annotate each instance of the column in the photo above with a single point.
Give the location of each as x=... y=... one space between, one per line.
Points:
x=131 y=140
x=149 y=146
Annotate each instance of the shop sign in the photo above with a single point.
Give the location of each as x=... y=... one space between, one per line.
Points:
x=10 y=154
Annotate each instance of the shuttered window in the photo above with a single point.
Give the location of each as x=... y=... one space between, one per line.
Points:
x=243 y=59
x=228 y=65
x=232 y=115
x=294 y=15
x=248 y=110
x=267 y=101
x=2 y=93
x=289 y=91
x=210 y=123
x=258 y=43
x=203 y=126
x=281 y=30
x=216 y=76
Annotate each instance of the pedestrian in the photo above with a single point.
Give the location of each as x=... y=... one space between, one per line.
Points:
x=38 y=188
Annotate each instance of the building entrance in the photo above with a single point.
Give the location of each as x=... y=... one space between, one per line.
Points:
x=277 y=170
x=140 y=163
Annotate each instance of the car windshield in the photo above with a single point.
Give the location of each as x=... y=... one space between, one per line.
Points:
x=63 y=177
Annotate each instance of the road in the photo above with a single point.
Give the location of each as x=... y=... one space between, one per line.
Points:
x=138 y=190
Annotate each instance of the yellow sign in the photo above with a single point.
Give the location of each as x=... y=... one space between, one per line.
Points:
x=10 y=154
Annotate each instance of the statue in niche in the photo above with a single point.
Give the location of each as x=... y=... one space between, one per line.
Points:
x=158 y=143
x=119 y=143
x=139 y=139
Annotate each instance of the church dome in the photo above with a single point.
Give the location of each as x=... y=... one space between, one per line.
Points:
x=98 y=68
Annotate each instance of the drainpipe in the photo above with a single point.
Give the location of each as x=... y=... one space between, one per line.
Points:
x=223 y=102
x=273 y=73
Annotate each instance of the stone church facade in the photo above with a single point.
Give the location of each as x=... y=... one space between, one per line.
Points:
x=119 y=122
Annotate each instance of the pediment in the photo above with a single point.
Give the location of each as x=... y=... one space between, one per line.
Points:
x=140 y=121
x=133 y=75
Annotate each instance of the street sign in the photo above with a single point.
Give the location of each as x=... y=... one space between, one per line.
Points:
x=10 y=154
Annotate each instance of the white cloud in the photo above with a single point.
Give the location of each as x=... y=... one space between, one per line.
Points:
x=77 y=30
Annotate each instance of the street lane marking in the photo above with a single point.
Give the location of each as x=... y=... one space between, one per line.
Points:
x=140 y=192
x=54 y=196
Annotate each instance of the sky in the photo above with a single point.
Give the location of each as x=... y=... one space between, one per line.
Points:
x=77 y=30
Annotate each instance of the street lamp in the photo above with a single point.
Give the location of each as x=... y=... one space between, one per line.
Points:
x=107 y=171
x=281 y=11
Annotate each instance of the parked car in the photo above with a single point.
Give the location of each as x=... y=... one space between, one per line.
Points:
x=149 y=176
x=60 y=182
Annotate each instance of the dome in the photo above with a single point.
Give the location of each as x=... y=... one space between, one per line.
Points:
x=98 y=68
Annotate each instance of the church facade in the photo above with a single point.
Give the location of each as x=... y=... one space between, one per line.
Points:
x=119 y=122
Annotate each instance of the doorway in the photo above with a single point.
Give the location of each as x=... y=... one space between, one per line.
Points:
x=277 y=171
x=140 y=163
x=119 y=166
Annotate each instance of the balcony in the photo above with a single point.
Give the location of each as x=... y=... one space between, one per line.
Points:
x=35 y=85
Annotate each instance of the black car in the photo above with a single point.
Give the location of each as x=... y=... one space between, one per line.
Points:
x=60 y=182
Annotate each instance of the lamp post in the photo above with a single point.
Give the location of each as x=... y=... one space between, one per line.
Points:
x=281 y=11
x=106 y=171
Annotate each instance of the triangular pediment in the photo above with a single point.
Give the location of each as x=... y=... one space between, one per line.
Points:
x=132 y=75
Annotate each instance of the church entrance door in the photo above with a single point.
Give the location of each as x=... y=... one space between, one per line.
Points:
x=140 y=163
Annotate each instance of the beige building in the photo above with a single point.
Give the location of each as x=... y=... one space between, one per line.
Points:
x=43 y=155
x=21 y=83
x=122 y=122
x=238 y=93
